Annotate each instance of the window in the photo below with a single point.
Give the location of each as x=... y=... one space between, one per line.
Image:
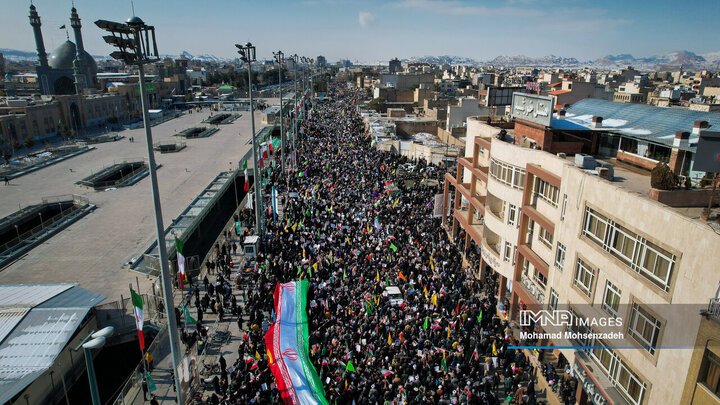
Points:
x=553 y=301
x=508 y=251
x=710 y=372
x=584 y=330
x=514 y=257
x=641 y=255
x=559 y=256
x=611 y=300
x=512 y=215
x=629 y=384
x=509 y=175
x=644 y=327
x=546 y=191
x=545 y=237
x=564 y=207
x=584 y=275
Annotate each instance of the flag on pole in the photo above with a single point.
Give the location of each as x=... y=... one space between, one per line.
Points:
x=444 y=363
x=180 y=262
x=385 y=372
x=247 y=181
x=390 y=341
x=188 y=319
x=401 y=276
x=150 y=382
x=393 y=247
x=350 y=367
x=426 y=323
x=138 y=312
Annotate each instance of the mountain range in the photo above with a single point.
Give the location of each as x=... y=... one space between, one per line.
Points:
x=687 y=59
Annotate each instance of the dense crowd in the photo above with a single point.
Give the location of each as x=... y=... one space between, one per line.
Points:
x=356 y=221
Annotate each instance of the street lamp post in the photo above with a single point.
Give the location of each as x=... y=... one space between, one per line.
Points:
x=280 y=58
x=295 y=58
x=247 y=55
x=97 y=342
x=137 y=46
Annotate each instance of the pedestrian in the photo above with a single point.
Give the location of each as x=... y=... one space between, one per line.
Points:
x=145 y=389
x=154 y=401
x=149 y=360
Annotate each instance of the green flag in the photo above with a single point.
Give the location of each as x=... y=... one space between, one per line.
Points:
x=393 y=247
x=150 y=382
x=344 y=275
x=444 y=363
x=350 y=367
x=426 y=323
x=480 y=317
x=189 y=319
x=387 y=280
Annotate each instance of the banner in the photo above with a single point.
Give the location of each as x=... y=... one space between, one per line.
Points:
x=438 y=208
x=287 y=347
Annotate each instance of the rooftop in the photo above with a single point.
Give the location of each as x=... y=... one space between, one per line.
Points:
x=640 y=121
x=36 y=323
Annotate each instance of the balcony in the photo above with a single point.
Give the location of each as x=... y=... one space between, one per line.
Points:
x=533 y=289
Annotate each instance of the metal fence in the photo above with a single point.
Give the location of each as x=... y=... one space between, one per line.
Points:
x=44 y=223
x=130 y=392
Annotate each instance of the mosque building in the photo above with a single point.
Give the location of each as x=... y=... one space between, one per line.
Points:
x=69 y=69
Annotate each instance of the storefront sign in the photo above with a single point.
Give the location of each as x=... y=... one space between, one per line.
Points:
x=593 y=392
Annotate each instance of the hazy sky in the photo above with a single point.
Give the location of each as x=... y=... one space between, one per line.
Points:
x=370 y=30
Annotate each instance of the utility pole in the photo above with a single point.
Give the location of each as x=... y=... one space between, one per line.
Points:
x=280 y=58
x=247 y=54
x=137 y=46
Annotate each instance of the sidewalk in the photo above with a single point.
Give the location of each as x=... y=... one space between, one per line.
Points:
x=161 y=374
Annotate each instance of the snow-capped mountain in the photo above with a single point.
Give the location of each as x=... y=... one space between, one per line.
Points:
x=686 y=59
x=442 y=59
x=526 y=61
x=202 y=57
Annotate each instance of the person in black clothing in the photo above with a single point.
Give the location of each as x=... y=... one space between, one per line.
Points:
x=223 y=363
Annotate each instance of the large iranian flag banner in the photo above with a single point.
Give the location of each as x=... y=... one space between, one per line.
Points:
x=287 y=347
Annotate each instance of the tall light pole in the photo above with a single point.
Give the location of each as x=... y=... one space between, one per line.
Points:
x=137 y=46
x=247 y=54
x=295 y=110
x=280 y=58
x=97 y=342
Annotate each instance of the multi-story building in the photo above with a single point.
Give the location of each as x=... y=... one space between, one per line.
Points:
x=584 y=235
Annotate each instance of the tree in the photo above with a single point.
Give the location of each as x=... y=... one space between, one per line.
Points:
x=662 y=178
x=378 y=104
x=29 y=142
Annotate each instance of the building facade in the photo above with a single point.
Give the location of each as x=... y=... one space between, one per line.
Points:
x=562 y=237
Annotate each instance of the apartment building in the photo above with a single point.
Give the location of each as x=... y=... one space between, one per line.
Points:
x=583 y=236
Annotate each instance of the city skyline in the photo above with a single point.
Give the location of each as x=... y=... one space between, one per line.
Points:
x=378 y=31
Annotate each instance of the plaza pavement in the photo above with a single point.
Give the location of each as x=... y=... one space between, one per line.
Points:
x=93 y=250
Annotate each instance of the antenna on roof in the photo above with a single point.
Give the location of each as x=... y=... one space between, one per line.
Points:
x=132 y=4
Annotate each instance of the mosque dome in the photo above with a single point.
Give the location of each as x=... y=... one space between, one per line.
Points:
x=64 y=55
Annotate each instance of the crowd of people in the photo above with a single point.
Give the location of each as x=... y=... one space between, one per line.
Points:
x=354 y=222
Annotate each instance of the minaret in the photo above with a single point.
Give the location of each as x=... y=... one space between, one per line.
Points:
x=75 y=24
x=39 y=44
x=79 y=70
